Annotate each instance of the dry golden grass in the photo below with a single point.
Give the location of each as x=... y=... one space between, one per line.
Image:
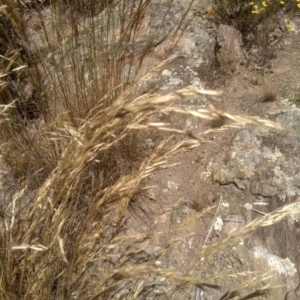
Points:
x=270 y=91
x=68 y=241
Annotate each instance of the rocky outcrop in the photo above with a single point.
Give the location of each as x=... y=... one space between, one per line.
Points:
x=258 y=174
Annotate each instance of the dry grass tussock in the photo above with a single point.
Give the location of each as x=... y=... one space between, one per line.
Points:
x=270 y=92
x=69 y=242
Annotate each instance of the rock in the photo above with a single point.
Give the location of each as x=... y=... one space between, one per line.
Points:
x=228 y=48
x=263 y=161
x=259 y=174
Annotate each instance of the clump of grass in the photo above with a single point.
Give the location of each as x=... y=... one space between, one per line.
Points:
x=218 y=71
x=270 y=92
x=265 y=43
x=87 y=62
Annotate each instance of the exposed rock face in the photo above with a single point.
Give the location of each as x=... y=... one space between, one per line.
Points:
x=263 y=162
x=259 y=174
